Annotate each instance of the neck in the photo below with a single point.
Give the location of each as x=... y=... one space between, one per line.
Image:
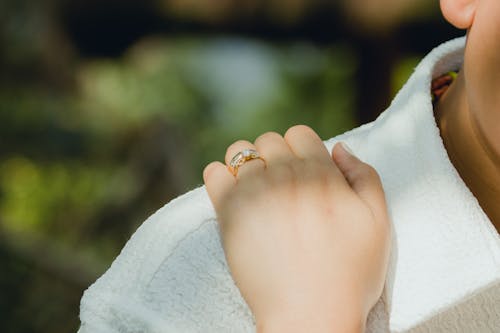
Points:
x=469 y=149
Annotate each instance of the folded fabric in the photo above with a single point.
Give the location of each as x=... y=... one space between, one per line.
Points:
x=444 y=274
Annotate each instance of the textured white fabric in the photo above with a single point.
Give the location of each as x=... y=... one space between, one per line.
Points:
x=444 y=274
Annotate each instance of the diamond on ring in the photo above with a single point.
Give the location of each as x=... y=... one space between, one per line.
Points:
x=241 y=157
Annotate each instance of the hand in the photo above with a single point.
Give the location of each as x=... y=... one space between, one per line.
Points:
x=306 y=238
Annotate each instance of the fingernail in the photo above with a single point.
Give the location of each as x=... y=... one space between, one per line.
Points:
x=346 y=148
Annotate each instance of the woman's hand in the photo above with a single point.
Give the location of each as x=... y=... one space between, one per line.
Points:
x=306 y=238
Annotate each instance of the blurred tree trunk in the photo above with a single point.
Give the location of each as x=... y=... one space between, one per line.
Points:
x=373 y=78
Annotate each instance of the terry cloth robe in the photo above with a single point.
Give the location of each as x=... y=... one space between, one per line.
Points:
x=444 y=272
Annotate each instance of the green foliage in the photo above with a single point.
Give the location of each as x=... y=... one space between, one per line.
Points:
x=402 y=71
x=56 y=198
x=168 y=105
x=218 y=91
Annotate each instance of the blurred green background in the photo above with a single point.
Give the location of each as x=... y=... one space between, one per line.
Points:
x=109 y=109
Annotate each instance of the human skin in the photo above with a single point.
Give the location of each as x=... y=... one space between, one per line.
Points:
x=306 y=234
x=468 y=114
x=282 y=215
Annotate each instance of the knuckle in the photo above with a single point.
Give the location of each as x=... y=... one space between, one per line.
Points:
x=235 y=146
x=267 y=136
x=208 y=170
x=298 y=130
x=238 y=143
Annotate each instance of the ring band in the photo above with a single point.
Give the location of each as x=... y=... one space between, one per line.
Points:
x=241 y=157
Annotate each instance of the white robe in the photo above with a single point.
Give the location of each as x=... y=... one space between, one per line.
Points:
x=444 y=274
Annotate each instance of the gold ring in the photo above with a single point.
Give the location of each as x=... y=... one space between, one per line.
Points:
x=241 y=157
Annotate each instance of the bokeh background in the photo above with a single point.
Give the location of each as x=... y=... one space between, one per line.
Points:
x=109 y=109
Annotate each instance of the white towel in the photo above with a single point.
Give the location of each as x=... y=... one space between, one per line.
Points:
x=444 y=274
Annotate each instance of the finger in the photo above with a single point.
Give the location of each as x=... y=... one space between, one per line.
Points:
x=306 y=144
x=218 y=182
x=362 y=178
x=273 y=148
x=250 y=166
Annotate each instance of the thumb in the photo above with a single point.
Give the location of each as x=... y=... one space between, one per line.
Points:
x=362 y=178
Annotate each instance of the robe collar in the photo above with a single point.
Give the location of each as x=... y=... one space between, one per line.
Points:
x=445 y=249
